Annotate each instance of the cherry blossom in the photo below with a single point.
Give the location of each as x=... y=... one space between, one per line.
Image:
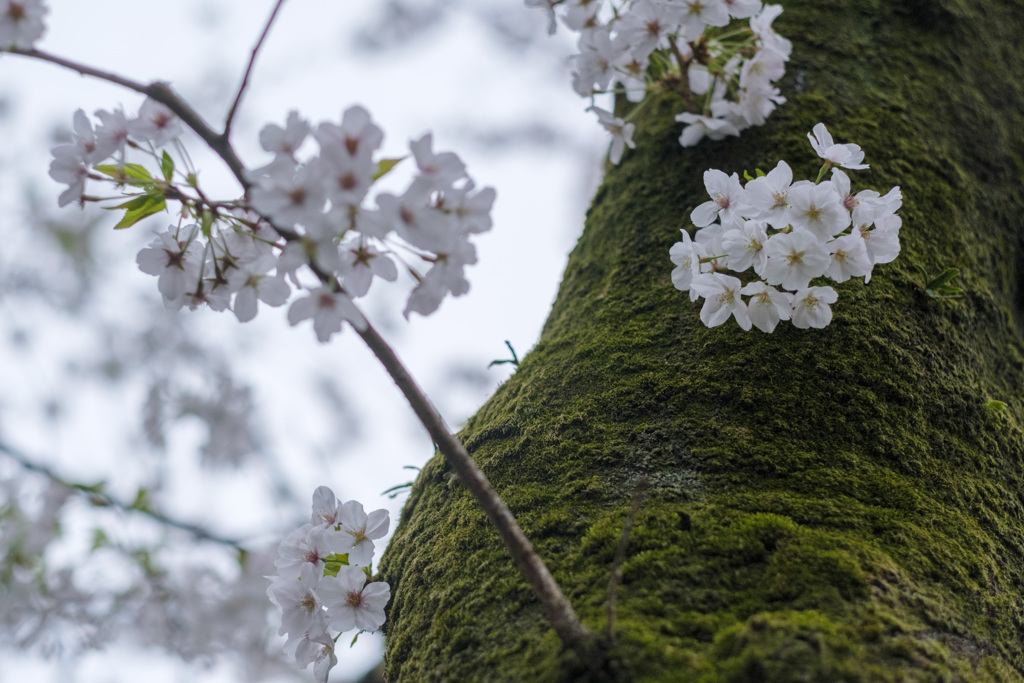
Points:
x=791 y=234
x=352 y=602
x=726 y=49
x=21 y=23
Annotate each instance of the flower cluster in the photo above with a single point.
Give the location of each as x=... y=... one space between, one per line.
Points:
x=323 y=581
x=305 y=216
x=724 y=69
x=790 y=233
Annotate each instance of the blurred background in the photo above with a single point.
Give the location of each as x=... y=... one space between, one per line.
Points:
x=190 y=416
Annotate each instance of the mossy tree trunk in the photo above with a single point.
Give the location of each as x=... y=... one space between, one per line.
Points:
x=822 y=505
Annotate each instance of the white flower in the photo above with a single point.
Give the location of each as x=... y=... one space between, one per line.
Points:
x=794 y=259
x=849 y=258
x=413 y=217
x=703 y=126
x=882 y=241
x=757 y=102
x=252 y=283
x=290 y=195
x=767 y=305
x=472 y=210
x=357 y=135
x=727 y=198
x=69 y=167
x=848 y=156
x=549 y=8
x=360 y=262
x=745 y=246
x=315 y=649
x=21 y=23
x=648 y=24
x=112 y=133
x=811 y=307
x=446 y=275
x=175 y=262
x=743 y=9
x=721 y=299
x=699 y=14
x=686 y=255
x=361 y=530
x=301 y=609
x=285 y=141
x=155 y=123
x=328 y=309
x=326 y=509
x=622 y=133
x=307 y=545
x=595 y=65
x=769 y=194
x=817 y=209
x=761 y=25
x=864 y=206
x=353 y=603
x=346 y=178
x=438 y=171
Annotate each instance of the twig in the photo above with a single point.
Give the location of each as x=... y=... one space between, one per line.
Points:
x=620 y=555
x=567 y=626
x=162 y=93
x=248 y=70
x=96 y=497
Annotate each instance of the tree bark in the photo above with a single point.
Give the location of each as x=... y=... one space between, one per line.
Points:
x=821 y=505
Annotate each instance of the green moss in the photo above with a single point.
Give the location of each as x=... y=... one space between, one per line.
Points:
x=828 y=504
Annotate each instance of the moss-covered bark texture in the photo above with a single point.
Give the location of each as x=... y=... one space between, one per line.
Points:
x=823 y=505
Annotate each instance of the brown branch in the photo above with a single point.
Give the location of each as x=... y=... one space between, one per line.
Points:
x=620 y=555
x=96 y=497
x=162 y=93
x=570 y=630
x=248 y=70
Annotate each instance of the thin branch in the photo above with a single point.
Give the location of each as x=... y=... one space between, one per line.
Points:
x=567 y=626
x=96 y=497
x=620 y=555
x=248 y=70
x=162 y=93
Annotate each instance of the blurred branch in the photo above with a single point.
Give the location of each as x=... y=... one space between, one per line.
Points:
x=248 y=70
x=97 y=497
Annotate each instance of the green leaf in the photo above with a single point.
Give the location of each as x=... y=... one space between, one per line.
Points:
x=515 y=359
x=995 y=406
x=192 y=181
x=384 y=167
x=760 y=173
x=152 y=204
x=167 y=166
x=133 y=174
x=746 y=175
x=943 y=279
x=99 y=539
x=334 y=562
x=141 y=501
x=395 y=490
x=136 y=201
x=206 y=223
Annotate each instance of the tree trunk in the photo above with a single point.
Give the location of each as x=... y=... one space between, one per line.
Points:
x=821 y=505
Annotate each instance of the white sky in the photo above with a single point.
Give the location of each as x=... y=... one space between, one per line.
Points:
x=457 y=83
